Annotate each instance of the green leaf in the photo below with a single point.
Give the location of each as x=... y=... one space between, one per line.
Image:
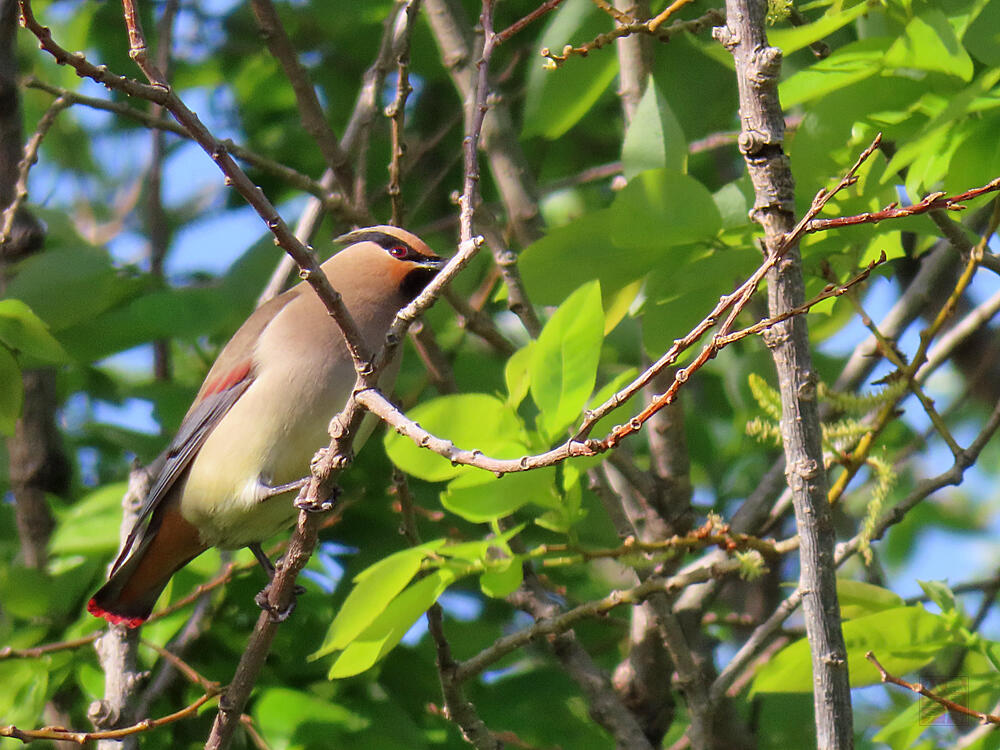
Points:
x=685 y=288
x=391 y=625
x=618 y=304
x=25 y=685
x=851 y=63
x=604 y=425
x=941 y=595
x=793 y=39
x=165 y=313
x=903 y=639
x=90 y=525
x=858 y=598
x=23 y=332
x=470 y=420
x=732 y=205
x=500 y=581
x=375 y=588
x=982 y=38
x=556 y=100
x=11 y=392
x=905 y=727
x=29 y=593
x=663 y=208
x=563 y=367
x=568 y=512
x=281 y=713
x=654 y=138
x=929 y=43
x=480 y=497
x=890 y=243
x=87 y=282
x=515 y=375
x=569 y=255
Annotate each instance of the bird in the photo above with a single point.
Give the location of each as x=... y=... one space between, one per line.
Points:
x=226 y=478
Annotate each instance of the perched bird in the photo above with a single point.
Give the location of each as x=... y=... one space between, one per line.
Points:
x=263 y=410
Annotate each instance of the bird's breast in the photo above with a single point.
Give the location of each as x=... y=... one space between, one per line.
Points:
x=303 y=377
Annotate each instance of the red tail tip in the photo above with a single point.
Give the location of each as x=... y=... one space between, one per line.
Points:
x=97 y=611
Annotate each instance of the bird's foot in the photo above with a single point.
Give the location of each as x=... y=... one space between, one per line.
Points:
x=320 y=506
x=279 y=614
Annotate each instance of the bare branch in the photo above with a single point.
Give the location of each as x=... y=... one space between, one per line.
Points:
x=396 y=112
x=533 y=16
x=763 y=633
x=312 y=117
x=331 y=202
x=929 y=203
x=694 y=26
x=162 y=94
x=757 y=70
x=920 y=689
x=562 y=622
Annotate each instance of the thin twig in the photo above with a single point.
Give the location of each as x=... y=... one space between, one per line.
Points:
x=396 y=112
x=355 y=141
x=533 y=16
x=920 y=689
x=36 y=652
x=81 y=738
x=859 y=456
x=435 y=361
x=890 y=352
x=933 y=202
x=457 y=707
x=331 y=202
x=952 y=476
x=27 y=162
x=161 y=93
x=480 y=324
x=475 y=665
x=376 y=402
x=313 y=119
x=694 y=26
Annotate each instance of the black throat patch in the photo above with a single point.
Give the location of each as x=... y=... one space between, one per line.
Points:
x=414 y=282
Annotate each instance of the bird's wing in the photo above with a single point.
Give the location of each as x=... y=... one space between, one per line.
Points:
x=230 y=376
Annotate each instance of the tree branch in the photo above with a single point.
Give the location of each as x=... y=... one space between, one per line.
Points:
x=757 y=70
x=311 y=113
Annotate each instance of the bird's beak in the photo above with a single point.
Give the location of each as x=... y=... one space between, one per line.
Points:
x=432 y=264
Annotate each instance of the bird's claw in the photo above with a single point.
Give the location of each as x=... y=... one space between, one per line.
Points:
x=278 y=614
x=319 y=506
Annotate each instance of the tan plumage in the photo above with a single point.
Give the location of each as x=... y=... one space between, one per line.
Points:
x=261 y=413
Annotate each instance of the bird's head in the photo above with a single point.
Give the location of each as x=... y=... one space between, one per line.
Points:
x=390 y=255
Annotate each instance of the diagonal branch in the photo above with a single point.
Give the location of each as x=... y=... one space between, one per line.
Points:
x=313 y=119
x=161 y=93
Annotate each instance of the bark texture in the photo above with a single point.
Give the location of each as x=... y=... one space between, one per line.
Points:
x=760 y=141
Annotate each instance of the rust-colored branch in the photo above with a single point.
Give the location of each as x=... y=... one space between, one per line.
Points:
x=37 y=652
x=920 y=689
x=530 y=18
x=933 y=202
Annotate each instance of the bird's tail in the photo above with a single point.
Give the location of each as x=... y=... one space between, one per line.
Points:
x=141 y=573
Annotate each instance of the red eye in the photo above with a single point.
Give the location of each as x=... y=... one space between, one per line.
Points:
x=398 y=252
